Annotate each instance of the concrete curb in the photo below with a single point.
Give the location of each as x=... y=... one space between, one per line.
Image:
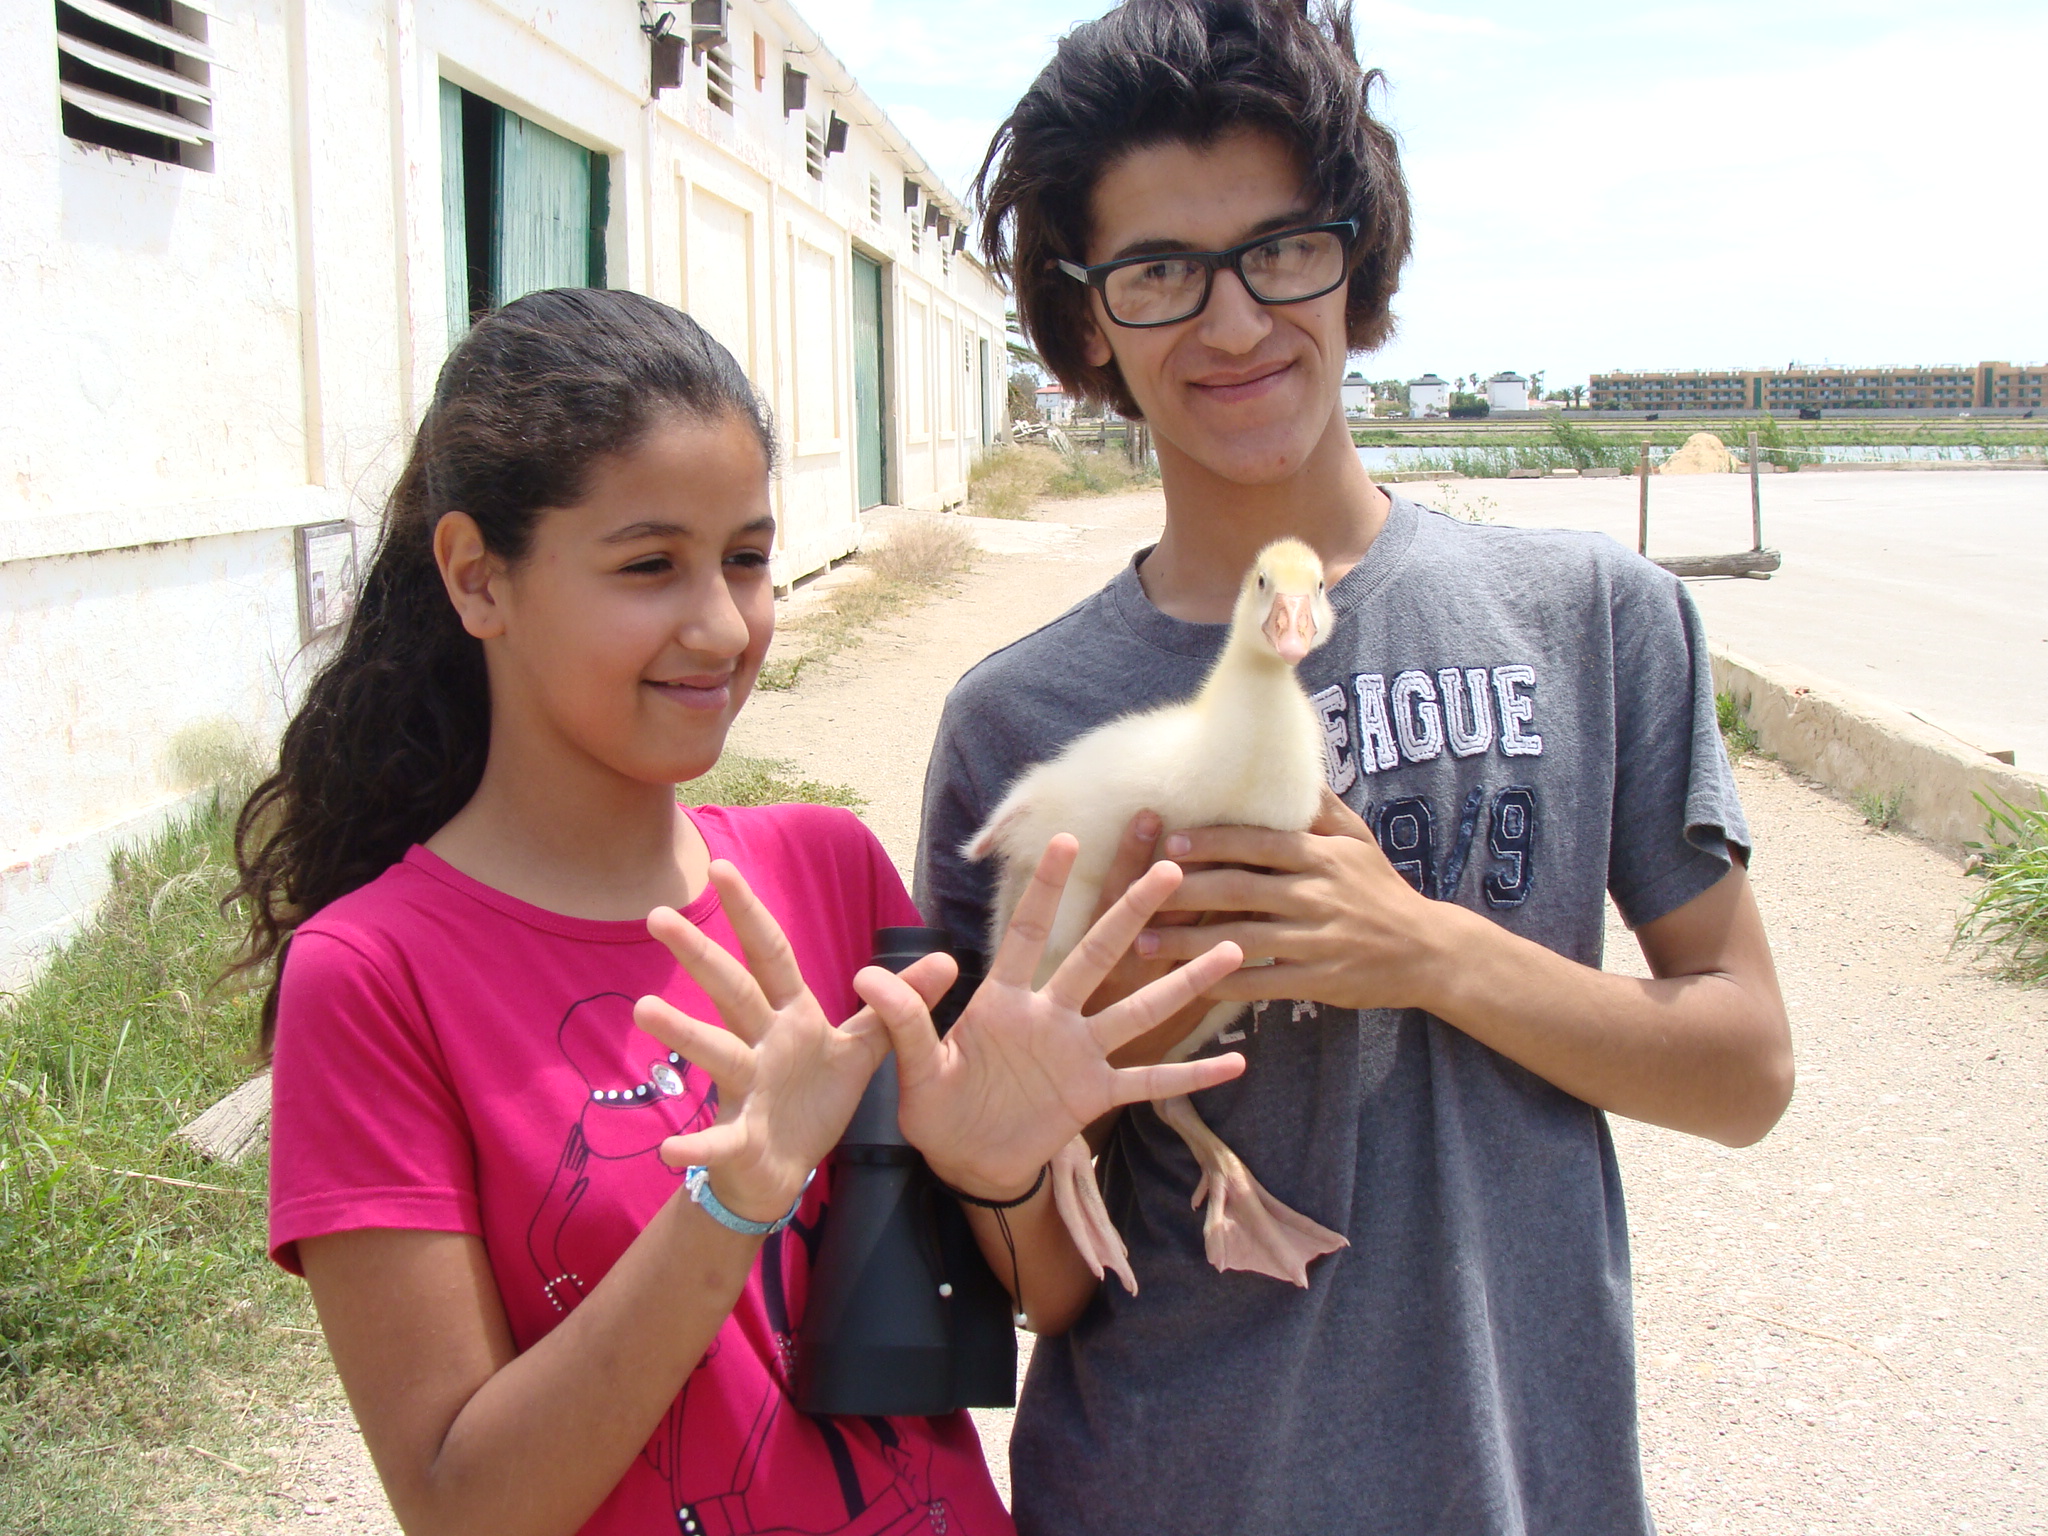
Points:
x=1854 y=743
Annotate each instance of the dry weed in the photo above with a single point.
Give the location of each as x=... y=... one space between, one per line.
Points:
x=1009 y=481
x=920 y=557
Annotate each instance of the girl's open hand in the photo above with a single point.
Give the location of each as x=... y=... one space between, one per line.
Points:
x=1023 y=1071
x=787 y=1080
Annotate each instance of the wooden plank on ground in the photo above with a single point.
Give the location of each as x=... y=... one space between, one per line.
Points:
x=236 y=1126
x=1750 y=562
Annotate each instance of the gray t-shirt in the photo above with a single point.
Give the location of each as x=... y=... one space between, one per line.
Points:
x=1526 y=719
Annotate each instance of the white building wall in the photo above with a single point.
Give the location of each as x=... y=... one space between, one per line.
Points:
x=1427 y=394
x=210 y=359
x=1507 y=392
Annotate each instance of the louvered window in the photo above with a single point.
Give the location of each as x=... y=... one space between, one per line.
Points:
x=874 y=199
x=718 y=77
x=814 y=150
x=916 y=236
x=137 y=76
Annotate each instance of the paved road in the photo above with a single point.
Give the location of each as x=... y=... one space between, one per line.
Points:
x=1928 y=588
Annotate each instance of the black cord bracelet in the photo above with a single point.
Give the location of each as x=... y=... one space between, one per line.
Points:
x=998 y=1205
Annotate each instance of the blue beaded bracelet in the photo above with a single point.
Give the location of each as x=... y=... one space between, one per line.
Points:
x=697 y=1180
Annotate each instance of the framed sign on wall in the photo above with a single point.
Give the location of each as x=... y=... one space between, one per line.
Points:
x=327 y=577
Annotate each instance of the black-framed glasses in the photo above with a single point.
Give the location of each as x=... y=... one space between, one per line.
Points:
x=1288 y=266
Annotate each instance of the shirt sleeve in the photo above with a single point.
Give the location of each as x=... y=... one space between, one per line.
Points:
x=892 y=904
x=366 y=1130
x=1678 y=821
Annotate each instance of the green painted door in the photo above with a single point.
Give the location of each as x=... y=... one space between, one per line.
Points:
x=521 y=208
x=544 y=212
x=454 y=226
x=871 y=441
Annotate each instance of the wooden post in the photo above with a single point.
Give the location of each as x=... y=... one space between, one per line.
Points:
x=1756 y=498
x=1643 y=511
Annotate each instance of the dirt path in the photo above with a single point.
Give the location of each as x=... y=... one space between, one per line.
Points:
x=1838 y=1330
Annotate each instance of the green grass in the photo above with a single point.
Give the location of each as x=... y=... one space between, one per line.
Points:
x=2009 y=918
x=1881 y=811
x=141 y=1325
x=126 y=1302
x=741 y=780
x=1737 y=734
x=1583 y=443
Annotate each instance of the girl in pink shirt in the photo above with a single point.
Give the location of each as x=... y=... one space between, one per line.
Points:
x=491 y=1066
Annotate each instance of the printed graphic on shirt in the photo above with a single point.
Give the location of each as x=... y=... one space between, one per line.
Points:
x=1432 y=854
x=1421 y=715
x=636 y=1094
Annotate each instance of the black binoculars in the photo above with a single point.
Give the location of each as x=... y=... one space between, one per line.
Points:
x=905 y=1315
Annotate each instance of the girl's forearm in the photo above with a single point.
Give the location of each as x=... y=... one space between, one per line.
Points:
x=548 y=1435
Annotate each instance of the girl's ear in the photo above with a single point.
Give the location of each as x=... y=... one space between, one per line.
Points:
x=468 y=571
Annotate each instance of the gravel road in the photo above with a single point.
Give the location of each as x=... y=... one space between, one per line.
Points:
x=1840 y=1329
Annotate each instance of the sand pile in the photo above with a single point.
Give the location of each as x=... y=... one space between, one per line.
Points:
x=1703 y=454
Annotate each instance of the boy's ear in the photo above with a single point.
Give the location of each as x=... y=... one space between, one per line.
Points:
x=1095 y=348
x=469 y=572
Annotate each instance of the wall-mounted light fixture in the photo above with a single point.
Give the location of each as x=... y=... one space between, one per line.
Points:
x=835 y=134
x=796 y=89
x=665 y=50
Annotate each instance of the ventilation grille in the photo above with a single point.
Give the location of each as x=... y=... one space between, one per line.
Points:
x=814 y=150
x=137 y=76
x=874 y=199
x=718 y=77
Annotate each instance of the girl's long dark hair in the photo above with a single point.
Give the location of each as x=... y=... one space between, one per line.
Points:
x=390 y=741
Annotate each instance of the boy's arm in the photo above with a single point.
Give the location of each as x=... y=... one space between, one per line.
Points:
x=1704 y=1047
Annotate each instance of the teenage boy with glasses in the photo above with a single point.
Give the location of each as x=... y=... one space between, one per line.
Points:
x=1202 y=218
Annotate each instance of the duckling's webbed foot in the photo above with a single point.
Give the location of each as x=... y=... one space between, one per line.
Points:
x=1244 y=1227
x=1078 y=1199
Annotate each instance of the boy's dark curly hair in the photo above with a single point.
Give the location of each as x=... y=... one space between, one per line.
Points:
x=1159 y=71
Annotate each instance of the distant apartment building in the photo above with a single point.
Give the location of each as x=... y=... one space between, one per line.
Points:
x=1358 y=395
x=1987 y=386
x=1507 y=392
x=1428 y=395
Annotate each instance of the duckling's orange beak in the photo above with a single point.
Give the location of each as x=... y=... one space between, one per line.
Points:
x=1291 y=627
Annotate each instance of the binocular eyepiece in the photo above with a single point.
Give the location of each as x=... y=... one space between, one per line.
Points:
x=904 y=1317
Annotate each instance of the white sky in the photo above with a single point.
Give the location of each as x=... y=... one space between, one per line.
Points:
x=1600 y=184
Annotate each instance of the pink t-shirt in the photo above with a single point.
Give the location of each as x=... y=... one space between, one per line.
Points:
x=450 y=1059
